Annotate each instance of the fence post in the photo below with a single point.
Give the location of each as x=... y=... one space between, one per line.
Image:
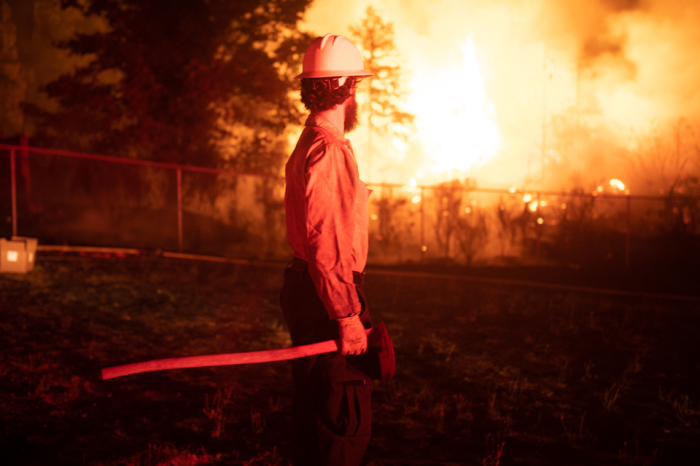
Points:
x=538 y=226
x=13 y=177
x=627 y=234
x=179 y=209
x=422 y=224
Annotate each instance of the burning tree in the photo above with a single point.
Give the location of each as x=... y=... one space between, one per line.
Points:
x=375 y=39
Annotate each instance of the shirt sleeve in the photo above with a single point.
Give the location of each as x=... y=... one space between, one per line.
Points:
x=331 y=187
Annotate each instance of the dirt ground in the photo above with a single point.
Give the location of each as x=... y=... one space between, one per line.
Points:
x=487 y=374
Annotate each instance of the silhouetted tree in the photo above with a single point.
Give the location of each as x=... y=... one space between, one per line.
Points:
x=180 y=82
x=472 y=232
x=667 y=159
x=375 y=39
x=448 y=204
x=12 y=85
x=507 y=226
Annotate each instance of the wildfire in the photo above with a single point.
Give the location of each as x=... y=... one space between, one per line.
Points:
x=617 y=184
x=455 y=119
x=412 y=190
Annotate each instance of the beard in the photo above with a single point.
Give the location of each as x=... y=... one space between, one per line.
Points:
x=350 y=115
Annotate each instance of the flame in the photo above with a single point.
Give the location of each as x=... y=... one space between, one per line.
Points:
x=455 y=119
x=617 y=184
x=557 y=71
x=412 y=190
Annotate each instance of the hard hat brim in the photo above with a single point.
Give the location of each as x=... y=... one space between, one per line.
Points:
x=333 y=74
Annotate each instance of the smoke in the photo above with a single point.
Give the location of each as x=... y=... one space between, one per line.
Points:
x=573 y=84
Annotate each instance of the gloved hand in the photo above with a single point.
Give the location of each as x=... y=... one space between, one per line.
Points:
x=353 y=338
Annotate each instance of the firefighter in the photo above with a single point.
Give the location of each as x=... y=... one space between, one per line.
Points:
x=327 y=221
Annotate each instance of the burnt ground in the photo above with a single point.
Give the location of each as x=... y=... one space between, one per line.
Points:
x=488 y=373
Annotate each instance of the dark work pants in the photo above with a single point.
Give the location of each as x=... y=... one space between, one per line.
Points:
x=331 y=412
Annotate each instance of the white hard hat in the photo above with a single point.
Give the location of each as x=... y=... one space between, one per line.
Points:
x=332 y=56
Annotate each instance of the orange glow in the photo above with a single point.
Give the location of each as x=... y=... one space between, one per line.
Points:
x=617 y=184
x=412 y=190
x=533 y=206
x=527 y=198
x=511 y=93
x=455 y=119
x=540 y=220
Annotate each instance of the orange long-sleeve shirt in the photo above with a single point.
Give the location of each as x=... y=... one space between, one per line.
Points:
x=327 y=217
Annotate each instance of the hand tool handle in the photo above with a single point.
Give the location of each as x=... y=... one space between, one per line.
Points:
x=227 y=359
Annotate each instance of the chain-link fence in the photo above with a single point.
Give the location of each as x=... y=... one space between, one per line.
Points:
x=83 y=199
x=457 y=223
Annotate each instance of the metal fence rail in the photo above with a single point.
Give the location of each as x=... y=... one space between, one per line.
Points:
x=25 y=151
x=421 y=222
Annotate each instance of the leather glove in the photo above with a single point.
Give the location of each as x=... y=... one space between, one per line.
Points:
x=353 y=338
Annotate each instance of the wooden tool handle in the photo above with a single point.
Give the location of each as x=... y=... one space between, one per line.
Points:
x=227 y=359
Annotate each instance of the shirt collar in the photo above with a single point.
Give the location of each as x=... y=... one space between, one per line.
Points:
x=317 y=120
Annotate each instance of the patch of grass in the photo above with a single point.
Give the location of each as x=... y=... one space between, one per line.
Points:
x=680 y=406
x=437 y=345
x=257 y=422
x=463 y=408
x=636 y=458
x=573 y=432
x=610 y=397
x=214 y=408
x=511 y=364
x=588 y=370
x=495 y=452
x=165 y=455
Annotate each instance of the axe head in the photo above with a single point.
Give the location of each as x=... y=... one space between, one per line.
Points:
x=379 y=362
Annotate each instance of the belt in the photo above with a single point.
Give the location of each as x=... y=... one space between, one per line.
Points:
x=300 y=265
